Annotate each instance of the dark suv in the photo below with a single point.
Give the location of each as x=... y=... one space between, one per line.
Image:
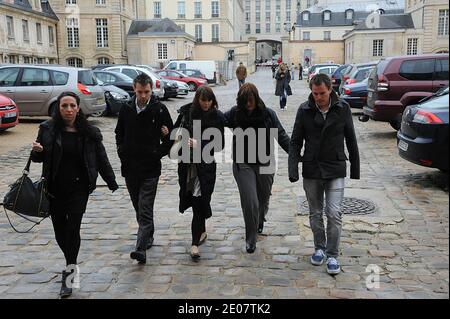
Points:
x=397 y=82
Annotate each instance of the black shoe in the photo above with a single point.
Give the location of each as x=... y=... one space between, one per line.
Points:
x=150 y=243
x=250 y=248
x=139 y=255
x=65 y=291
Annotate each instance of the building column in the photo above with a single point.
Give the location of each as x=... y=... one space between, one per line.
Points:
x=285 y=49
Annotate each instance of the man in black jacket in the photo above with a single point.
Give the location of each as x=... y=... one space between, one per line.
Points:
x=141 y=145
x=324 y=122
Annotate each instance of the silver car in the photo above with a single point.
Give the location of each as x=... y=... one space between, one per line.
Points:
x=35 y=88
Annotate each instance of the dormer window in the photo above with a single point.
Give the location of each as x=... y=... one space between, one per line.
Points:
x=349 y=14
x=327 y=15
x=306 y=16
x=380 y=11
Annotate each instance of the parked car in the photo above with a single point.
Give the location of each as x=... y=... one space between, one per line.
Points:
x=115 y=98
x=312 y=68
x=352 y=70
x=355 y=94
x=148 y=67
x=193 y=83
x=117 y=79
x=193 y=73
x=170 y=88
x=328 y=70
x=336 y=77
x=357 y=75
x=397 y=82
x=9 y=113
x=35 y=88
x=183 y=88
x=208 y=68
x=134 y=71
x=423 y=137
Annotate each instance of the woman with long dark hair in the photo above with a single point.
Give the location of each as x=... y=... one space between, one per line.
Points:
x=73 y=155
x=197 y=179
x=252 y=171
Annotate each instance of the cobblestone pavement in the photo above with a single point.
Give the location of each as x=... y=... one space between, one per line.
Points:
x=407 y=237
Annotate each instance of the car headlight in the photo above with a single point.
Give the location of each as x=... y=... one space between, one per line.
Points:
x=118 y=96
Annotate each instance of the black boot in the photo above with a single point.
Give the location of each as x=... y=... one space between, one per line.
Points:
x=65 y=291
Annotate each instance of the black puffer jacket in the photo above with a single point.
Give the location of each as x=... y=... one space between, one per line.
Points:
x=324 y=156
x=140 y=144
x=206 y=171
x=94 y=154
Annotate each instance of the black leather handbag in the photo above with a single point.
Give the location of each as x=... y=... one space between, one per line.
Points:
x=27 y=199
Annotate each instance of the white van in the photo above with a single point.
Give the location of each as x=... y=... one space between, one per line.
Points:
x=208 y=68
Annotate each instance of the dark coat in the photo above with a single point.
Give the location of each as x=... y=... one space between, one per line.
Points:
x=270 y=119
x=283 y=83
x=140 y=143
x=324 y=156
x=94 y=155
x=206 y=171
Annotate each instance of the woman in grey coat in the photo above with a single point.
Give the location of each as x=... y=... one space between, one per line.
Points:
x=283 y=89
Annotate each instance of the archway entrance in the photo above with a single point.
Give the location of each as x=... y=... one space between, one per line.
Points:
x=268 y=50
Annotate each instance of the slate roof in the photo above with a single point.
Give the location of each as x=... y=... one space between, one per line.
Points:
x=164 y=27
x=25 y=5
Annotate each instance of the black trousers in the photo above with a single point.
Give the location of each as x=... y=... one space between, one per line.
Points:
x=198 y=226
x=66 y=214
x=142 y=193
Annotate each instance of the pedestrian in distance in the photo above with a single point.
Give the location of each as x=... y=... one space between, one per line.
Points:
x=322 y=124
x=254 y=172
x=72 y=153
x=197 y=179
x=283 y=89
x=300 y=71
x=274 y=69
x=140 y=146
x=293 y=71
x=241 y=74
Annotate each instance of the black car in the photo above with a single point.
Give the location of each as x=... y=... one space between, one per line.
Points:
x=423 y=136
x=355 y=94
x=117 y=79
x=170 y=88
x=337 y=76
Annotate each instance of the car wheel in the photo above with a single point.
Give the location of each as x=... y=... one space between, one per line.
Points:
x=192 y=86
x=397 y=123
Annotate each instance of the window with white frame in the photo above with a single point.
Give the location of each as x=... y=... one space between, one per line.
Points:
x=349 y=14
x=327 y=16
x=100 y=2
x=306 y=35
x=288 y=16
x=162 y=51
x=71 y=1
x=51 y=35
x=102 y=33
x=215 y=33
x=181 y=10
x=412 y=46
x=277 y=16
x=26 y=60
x=75 y=62
x=103 y=60
x=10 y=26
x=278 y=27
x=377 y=48
x=198 y=33
x=267 y=5
x=268 y=16
x=258 y=28
x=215 y=9
x=157 y=9
x=305 y=16
x=443 y=23
x=182 y=27
x=326 y=35
x=288 y=5
x=73 y=38
x=278 y=5
x=247 y=29
x=197 y=10
x=247 y=5
x=267 y=27
x=247 y=16
x=25 y=30
x=257 y=16
x=39 y=33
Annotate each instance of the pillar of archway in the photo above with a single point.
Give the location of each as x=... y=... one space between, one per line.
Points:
x=251 y=54
x=285 y=49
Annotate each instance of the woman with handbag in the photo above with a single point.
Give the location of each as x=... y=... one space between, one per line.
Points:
x=197 y=179
x=283 y=89
x=73 y=155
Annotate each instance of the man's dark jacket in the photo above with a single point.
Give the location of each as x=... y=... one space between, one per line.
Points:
x=324 y=156
x=140 y=144
x=90 y=146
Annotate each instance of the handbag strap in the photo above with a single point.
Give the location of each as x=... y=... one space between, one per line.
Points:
x=26 y=170
x=30 y=220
